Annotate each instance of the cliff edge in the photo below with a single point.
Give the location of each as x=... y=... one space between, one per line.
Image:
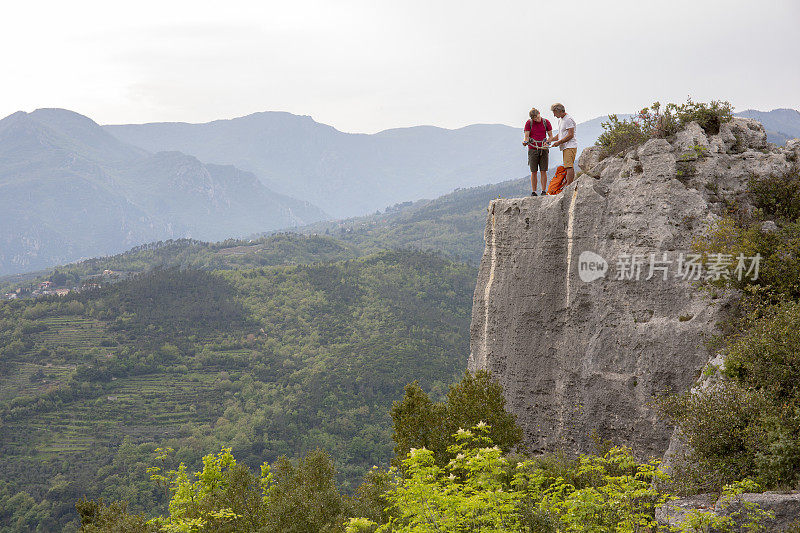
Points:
x=586 y=307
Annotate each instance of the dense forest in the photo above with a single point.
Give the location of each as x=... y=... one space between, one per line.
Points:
x=268 y=361
x=277 y=249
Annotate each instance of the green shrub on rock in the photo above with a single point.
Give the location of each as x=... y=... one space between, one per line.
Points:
x=747 y=423
x=653 y=122
x=778 y=196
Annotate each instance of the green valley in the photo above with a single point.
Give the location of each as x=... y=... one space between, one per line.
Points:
x=273 y=360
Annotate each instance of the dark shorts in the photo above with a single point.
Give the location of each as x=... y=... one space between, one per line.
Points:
x=538 y=158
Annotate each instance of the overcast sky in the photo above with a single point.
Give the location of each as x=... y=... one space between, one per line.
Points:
x=365 y=66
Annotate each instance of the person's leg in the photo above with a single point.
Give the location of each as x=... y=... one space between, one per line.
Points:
x=543 y=161
x=533 y=163
x=533 y=170
x=569 y=164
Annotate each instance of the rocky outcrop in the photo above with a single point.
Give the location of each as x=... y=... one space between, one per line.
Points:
x=783 y=509
x=578 y=311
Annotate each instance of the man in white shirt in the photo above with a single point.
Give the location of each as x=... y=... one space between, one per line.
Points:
x=565 y=140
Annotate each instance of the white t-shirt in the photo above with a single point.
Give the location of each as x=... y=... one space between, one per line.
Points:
x=564 y=124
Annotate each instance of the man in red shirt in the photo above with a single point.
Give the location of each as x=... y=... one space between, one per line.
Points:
x=538 y=133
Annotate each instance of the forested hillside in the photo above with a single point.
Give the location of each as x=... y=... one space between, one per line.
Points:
x=452 y=224
x=278 y=249
x=269 y=361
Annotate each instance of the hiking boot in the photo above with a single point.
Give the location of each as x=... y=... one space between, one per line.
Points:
x=543 y=193
x=533 y=193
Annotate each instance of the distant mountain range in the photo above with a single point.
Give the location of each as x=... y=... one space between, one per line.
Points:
x=349 y=174
x=452 y=224
x=345 y=174
x=781 y=124
x=69 y=189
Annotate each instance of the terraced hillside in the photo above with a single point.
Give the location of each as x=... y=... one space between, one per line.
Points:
x=270 y=361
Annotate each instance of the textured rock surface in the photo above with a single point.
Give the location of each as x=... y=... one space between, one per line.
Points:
x=578 y=357
x=784 y=506
x=674 y=512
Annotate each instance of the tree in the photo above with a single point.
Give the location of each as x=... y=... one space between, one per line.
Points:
x=467 y=494
x=422 y=423
x=97 y=516
x=227 y=497
x=479 y=398
x=302 y=497
x=418 y=423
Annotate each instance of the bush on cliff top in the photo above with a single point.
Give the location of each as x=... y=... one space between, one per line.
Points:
x=651 y=122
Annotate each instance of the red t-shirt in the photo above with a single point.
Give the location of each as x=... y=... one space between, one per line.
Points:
x=539 y=132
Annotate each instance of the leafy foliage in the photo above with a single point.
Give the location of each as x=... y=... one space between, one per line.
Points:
x=777 y=196
x=468 y=494
x=271 y=361
x=747 y=424
x=421 y=423
x=653 y=122
x=480 y=490
x=97 y=517
x=747 y=518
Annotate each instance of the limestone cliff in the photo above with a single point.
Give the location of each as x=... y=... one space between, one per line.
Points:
x=578 y=357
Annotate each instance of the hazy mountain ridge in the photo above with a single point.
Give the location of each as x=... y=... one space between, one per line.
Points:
x=344 y=173
x=353 y=174
x=71 y=190
x=781 y=124
x=451 y=224
x=150 y=197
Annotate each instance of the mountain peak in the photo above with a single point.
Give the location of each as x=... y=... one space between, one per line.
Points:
x=62 y=129
x=58 y=113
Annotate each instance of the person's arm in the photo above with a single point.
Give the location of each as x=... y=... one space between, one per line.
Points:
x=550 y=136
x=570 y=134
x=527 y=133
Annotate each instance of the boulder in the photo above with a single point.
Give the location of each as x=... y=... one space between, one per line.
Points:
x=589 y=158
x=747 y=134
x=691 y=142
x=674 y=512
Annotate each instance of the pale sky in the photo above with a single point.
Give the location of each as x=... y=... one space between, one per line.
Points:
x=365 y=66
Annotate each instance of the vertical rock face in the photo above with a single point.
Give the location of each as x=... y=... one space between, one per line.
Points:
x=578 y=358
